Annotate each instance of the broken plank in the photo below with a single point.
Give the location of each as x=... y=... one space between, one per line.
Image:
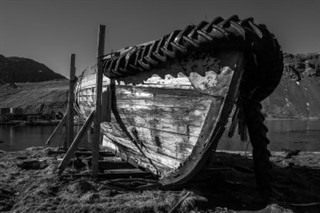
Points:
x=57 y=129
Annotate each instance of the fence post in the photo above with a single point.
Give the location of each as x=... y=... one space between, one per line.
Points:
x=97 y=116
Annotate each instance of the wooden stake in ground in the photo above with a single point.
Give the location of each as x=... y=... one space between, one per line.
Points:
x=75 y=143
x=97 y=117
x=106 y=104
x=57 y=129
x=70 y=111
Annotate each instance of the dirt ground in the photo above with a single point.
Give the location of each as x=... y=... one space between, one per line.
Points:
x=29 y=183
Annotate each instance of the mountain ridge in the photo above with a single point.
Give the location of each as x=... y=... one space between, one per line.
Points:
x=296 y=97
x=298 y=94
x=21 y=70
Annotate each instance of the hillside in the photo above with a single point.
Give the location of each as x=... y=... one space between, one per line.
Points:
x=36 y=97
x=19 y=70
x=296 y=97
x=298 y=94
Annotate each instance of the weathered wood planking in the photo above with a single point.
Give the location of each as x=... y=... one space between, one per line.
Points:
x=163 y=160
x=168 y=145
x=179 y=147
x=213 y=128
x=134 y=158
x=168 y=111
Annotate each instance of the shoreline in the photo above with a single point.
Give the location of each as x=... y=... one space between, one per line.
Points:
x=34 y=123
x=28 y=123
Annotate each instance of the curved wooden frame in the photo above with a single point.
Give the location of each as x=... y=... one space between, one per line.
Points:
x=230 y=41
x=210 y=133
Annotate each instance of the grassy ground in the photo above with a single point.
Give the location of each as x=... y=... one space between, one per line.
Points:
x=29 y=183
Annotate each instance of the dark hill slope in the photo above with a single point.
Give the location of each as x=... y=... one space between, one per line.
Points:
x=19 y=70
x=298 y=94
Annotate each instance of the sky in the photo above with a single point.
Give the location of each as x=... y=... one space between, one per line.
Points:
x=49 y=31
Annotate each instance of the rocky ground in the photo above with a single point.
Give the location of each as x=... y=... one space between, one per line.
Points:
x=29 y=183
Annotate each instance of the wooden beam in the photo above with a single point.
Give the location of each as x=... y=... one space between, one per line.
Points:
x=75 y=143
x=97 y=117
x=57 y=129
x=70 y=133
x=106 y=105
x=116 y=173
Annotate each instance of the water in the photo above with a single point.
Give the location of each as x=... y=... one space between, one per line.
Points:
x=14 y=138
x=283 y=134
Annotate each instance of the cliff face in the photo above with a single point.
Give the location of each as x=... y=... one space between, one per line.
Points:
x=18 y=70
x=298 y=94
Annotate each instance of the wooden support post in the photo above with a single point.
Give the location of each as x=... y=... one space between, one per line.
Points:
x=70 y=130
x=97 y=117
x=76 y=142
x=106 y=104
x=57 y=129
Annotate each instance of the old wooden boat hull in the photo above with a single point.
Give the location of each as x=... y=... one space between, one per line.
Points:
x=177 y=119
x=169 y=100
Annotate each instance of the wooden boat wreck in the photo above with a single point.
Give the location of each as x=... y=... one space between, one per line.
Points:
x=171 y=98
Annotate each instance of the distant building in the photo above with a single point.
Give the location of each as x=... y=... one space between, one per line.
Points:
x=16 y=110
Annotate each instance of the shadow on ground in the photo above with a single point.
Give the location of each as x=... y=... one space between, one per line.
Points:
x=231 y=182
x=29 y=183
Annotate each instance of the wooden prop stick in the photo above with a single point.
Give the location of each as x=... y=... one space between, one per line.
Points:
x=57 y=129
x=106 y=105
x=70 y=129
x=76 y=142
x=66 y=129
x=97 y=117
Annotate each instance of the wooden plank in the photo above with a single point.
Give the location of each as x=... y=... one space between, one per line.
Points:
x=188 y=115
x=157 y=106
x=70 y=133
x=57 y=129
x=144 y=97
x=80 y=153
x=162 y=124
x=106 y=106
x=168 y=142
x=75 y=143
x=144 y=163
x=164 y=160
x=125 y=171
x=173 y=69
x=127 y=94
x=165 y=153
x=97 y=117
x=114 y=173
x=211 y=131
x=151 y=92
x=90 y=81
x=137 y=159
